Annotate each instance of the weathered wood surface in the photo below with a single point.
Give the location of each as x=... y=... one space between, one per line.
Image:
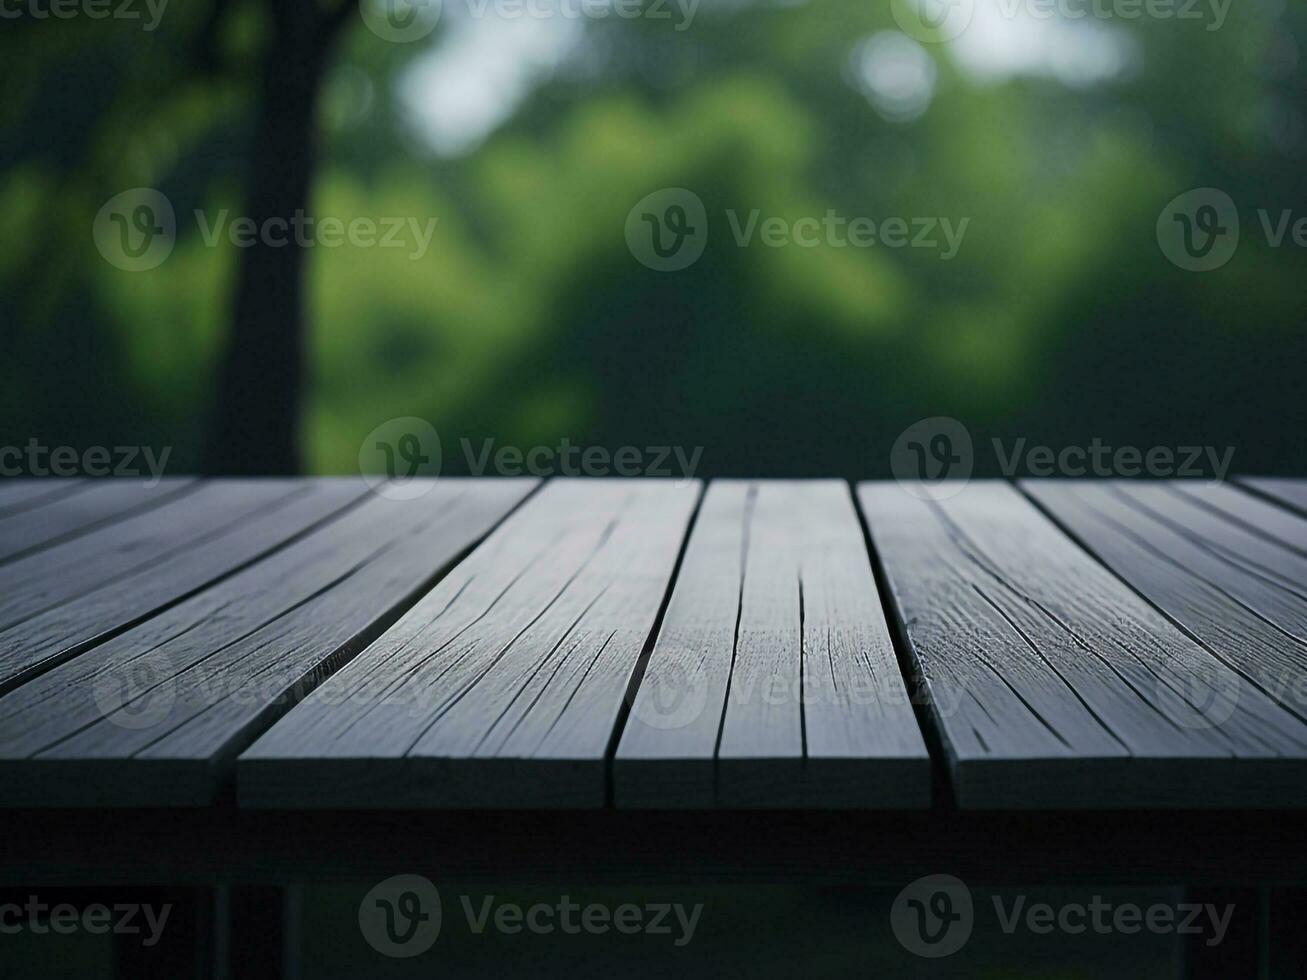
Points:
x=504 y=686
x=18 y=495
x=1290 y=492
x=1193 y=552
x=96 y=503
x=1055 y=685
x=773 y=682
x=503 y=644
x=153 y=716
x=57 y=601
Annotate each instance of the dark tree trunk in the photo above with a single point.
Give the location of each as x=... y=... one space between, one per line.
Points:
x=255 y=427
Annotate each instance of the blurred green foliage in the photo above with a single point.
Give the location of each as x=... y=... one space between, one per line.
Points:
x=529 y=320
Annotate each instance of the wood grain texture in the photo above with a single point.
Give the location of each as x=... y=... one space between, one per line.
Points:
x=18 y=495
x=773 y=682
x=1289 y=492
x=1052 y=684
x=72 y=515
x=503 y=686
x=1273 y=521
x=56 y=602
x=154 y=716
x=1195 y=553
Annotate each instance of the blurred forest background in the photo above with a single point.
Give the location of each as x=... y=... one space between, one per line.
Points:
x=529 y=320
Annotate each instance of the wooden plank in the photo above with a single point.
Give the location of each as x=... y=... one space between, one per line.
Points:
x=773 y=681
x=504 y=685
x=99 y=503
x=18 y=495
x=1052 y=684
x=153 y=717
x=59 y=601
x=1279 y=525
x=51 y=577
x=1241 y=594
x=1289 y=492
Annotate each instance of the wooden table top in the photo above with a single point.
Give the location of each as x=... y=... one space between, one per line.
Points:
x=296 y=644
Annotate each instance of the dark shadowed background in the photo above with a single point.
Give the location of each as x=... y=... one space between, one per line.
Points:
x=530 y=136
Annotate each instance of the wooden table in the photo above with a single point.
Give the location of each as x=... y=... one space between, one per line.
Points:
x=239 y=682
